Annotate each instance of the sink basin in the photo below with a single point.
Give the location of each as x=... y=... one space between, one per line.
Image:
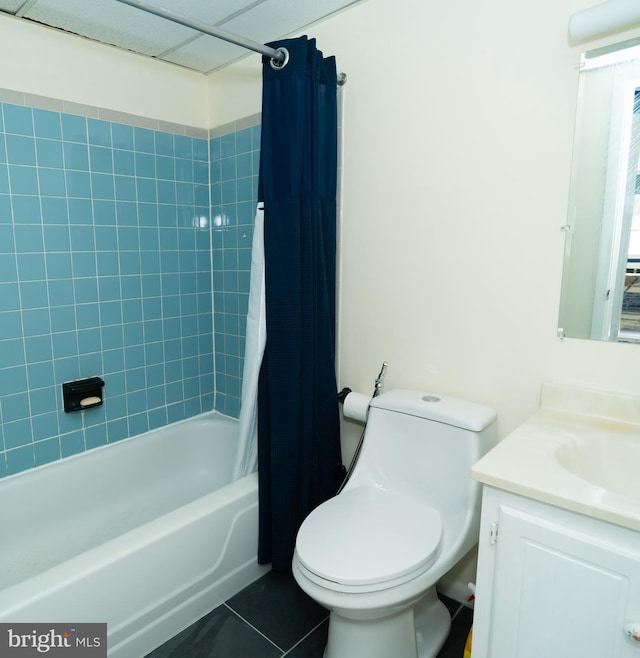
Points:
x=609 y=461
x=580 y=452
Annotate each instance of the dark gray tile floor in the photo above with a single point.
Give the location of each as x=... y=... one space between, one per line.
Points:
x=272 y=618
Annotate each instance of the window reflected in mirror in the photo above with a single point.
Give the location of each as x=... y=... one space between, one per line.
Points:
x=630 y=314
x=601 y=277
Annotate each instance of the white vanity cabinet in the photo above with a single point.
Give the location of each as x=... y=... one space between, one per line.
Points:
x=553 y=583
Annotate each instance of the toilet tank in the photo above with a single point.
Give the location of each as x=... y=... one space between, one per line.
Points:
x=427 y=442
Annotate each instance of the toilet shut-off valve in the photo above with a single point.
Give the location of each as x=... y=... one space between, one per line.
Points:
x=379 y=385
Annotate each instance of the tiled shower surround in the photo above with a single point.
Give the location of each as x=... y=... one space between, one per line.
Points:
x=234 y=188
x=113 y=238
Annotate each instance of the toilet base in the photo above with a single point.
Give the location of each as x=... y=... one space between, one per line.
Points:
x=433 y=623
x=417 y=631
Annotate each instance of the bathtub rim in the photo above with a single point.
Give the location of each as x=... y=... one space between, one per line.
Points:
x=91 y=560
x=28 y=472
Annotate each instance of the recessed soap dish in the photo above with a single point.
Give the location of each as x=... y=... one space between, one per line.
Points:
x=82 y=394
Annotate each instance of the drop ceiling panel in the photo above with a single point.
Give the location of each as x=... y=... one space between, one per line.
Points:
x=276 y=18
x=206 y=54
x=111 y=22
x=211 y=12
x=11 y=6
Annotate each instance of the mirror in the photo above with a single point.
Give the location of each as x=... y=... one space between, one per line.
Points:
x=600 y=296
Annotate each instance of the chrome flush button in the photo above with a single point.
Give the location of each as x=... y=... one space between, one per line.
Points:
x=431 y=398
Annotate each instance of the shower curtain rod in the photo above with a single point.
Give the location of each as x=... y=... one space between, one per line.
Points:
x=278 y=57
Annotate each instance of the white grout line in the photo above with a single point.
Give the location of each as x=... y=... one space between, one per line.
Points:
x=254 y=628
x=305 y=637
x=302 y=639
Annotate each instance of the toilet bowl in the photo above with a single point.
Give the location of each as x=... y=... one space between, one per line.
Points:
x=373 y=554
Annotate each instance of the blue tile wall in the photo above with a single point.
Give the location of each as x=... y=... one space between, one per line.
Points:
x=234 y=192
x=105 y=269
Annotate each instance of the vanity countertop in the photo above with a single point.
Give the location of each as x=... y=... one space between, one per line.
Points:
x=580 y=451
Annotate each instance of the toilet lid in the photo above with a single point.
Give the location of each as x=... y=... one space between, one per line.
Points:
x=368 y=535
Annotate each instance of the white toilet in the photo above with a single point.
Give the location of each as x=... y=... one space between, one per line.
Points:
x=373 y=554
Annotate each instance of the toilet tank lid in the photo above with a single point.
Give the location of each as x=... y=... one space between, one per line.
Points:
x=439 y=408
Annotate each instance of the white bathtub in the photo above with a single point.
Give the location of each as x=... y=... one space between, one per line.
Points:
x=148 y=535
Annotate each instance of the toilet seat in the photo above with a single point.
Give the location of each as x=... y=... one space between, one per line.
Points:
x=370 y=537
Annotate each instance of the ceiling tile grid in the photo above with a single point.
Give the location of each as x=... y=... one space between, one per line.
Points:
x=132 y=29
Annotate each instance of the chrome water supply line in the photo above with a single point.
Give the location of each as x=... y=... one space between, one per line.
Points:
x=377 y=389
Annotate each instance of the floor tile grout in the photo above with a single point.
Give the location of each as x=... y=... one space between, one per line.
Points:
x=239 y=616
x=290 y=627
x=302 y=639
x=460 y=608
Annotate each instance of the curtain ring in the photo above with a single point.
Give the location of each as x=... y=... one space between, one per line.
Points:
x=276 y=64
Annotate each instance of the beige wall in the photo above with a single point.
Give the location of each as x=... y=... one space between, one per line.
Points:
x=235 y=91
x=46 y=62
x=459 y=120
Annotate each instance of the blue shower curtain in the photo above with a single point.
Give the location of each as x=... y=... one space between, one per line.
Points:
x=298 y=425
